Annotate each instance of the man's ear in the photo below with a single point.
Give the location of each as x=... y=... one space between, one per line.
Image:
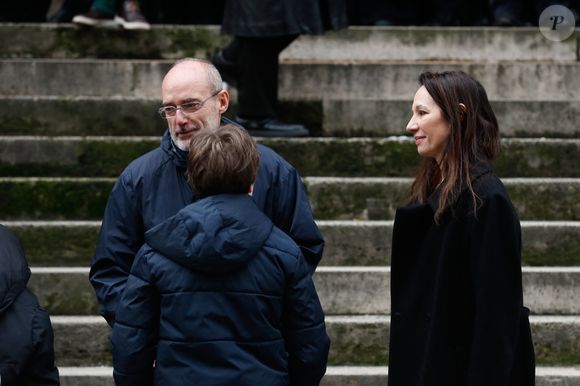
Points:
x=224 y=101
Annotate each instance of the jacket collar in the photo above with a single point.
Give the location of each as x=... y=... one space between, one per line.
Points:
x=178 y=156
x=220 y=233
x=478 y=169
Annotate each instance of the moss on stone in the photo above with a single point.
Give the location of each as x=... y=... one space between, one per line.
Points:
x=358 y=200
x=538 y=159
x=58 y=245
x=345 y=158
x=358 y=344
x=82 y=344
x=546 y=201
x=64 y=293
x=53 y=199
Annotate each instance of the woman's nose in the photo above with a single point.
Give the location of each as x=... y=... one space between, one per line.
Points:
x=412 y=126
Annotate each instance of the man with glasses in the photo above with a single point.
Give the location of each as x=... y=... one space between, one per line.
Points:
x=154 y=187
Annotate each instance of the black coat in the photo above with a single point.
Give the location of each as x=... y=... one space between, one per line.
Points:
x=457 y=306
x=26 y=340
x=260 y=18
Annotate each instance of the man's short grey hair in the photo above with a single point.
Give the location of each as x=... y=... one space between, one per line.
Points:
x=213 y=75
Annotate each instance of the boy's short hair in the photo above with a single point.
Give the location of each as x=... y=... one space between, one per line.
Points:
x=222 y=161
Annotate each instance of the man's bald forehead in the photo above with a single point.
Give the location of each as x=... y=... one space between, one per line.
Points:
x=191 y=68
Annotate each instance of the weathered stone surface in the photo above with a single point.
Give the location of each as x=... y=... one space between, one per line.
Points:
x=549 y=199
x=551 y=243
x=114 y=78
x=430 y=43
x=68 y=41
x=342 y=290
x=348 y=243
x=378 y=198
x=383 y=116
x=539 y=81
x=298 y=80
x=335 y=376
x=54 y=198
x=54 y=243
x=366 y=243
x=114 y=116
x=356 y=340
x=102 y=156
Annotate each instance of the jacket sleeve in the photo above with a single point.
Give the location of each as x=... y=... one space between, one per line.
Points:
x=120 y=238
x=304 y=329
x=135 y=332
x=495 y=264
x=40 y=367
x=287 y=204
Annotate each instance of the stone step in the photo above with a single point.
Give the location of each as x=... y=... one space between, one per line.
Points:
x=117 y=116
x=339 y=157
x=356 y=340
x=317 y=80
x=332 y=198
x=68 y=41
x=342 y=290
x=113 y=116
x=377 y=198
x=298 y=80
x=381 y=116
x=354 y=43
x=82 y=77
x=335 y=376
x=348 y=243
x=486 y=44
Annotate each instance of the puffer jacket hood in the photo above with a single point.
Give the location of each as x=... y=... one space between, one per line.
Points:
x=14 y=271
x=219 y=233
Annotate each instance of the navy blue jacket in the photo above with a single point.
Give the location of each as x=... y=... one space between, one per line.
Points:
x=154 y=187
x=219 y=296
x=26 y=340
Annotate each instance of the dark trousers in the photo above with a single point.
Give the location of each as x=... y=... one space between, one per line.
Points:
x=257 y=63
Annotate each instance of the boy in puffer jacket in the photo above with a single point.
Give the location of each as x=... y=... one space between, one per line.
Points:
x=26 y=339
x=218 y=295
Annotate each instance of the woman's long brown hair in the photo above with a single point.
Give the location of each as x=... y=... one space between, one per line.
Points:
x=474 y=137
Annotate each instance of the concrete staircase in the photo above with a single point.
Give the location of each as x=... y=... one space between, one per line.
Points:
x=77 y=105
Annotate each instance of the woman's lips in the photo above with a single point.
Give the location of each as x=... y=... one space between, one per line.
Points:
x=419 y=139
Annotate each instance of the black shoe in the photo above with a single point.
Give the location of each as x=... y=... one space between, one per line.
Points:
x=272 y=127
x=227 y=69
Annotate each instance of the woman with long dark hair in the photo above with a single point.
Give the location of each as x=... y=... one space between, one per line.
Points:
x=457 y=314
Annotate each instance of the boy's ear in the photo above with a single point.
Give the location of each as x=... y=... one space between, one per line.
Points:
x=251 y=190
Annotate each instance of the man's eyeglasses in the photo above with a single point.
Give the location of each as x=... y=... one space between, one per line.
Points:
x=186 y=108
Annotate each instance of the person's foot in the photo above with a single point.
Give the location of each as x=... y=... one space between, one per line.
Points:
x=131 y=17
x=95 y=18
x=227 y=68
x=272 y=127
